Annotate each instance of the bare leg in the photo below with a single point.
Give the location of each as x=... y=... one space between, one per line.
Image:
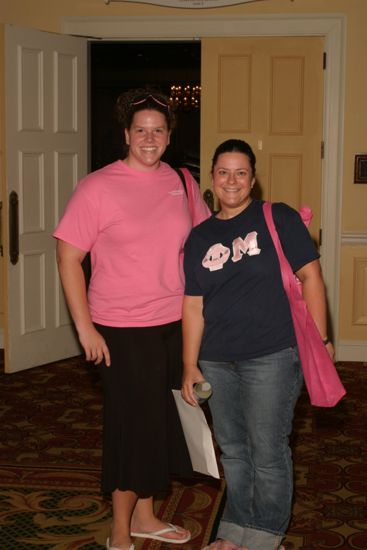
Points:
x=123 y=504
x=144 y=521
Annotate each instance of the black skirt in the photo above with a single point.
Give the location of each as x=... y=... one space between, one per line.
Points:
x=143 y=442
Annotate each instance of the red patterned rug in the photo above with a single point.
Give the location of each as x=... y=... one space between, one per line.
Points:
x=50 y=436
x=50 y=453
x=330 y=455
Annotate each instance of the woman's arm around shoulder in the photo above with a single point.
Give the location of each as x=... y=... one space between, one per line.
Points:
x=192 y=331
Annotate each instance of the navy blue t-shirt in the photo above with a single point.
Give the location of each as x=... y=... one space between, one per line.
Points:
x=233 y=264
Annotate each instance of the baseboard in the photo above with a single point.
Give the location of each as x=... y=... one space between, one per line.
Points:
x=352 y=350
x=1 y=338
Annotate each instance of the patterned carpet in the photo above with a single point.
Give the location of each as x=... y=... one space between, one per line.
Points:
x=330 y=454
x=50 y=454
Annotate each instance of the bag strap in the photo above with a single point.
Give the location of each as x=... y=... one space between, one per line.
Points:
x=183 y=173
x=182 y=178
x=285 y=268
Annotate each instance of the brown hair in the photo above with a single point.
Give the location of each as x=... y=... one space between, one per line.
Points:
x=235 y=146
x=139 y=99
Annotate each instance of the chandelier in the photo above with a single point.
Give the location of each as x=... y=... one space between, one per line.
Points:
x=185 y=97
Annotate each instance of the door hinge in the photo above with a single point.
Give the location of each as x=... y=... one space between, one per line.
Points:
x=324 y=60
x=322 y=149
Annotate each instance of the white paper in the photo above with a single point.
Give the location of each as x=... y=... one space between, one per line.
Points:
x=198 y=437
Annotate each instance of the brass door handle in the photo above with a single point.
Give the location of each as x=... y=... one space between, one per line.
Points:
x=209 y=199
x=13 y=227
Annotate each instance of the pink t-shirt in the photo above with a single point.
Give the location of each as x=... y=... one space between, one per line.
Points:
x=135 y=225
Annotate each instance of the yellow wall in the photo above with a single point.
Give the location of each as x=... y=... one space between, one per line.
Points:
x=47 y=14
x=355 y=141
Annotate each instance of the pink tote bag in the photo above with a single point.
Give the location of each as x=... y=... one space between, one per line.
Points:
x=321 y=377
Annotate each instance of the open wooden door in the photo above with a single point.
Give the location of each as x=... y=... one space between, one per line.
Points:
x=46 y=144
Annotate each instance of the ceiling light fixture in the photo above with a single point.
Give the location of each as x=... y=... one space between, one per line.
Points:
x=185 y=97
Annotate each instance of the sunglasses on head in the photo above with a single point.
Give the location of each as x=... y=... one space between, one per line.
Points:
x=150 y=96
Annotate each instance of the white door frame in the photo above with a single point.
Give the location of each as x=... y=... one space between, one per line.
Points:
x=329 y=25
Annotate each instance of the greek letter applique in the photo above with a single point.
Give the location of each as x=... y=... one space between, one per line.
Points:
x=245 y=246
x=218 y=254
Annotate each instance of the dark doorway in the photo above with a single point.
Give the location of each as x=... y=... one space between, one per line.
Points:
x=117 y=66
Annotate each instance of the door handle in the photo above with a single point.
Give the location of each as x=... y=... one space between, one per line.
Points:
x=209 y=199
x=13 y=227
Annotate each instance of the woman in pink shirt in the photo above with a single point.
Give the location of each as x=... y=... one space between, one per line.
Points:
x=134 y=216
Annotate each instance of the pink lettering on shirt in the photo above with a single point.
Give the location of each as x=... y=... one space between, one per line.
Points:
x=216 y=257
x=218 y=254
x=245 y=246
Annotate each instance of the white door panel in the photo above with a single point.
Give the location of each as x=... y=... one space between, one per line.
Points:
x=46 y=132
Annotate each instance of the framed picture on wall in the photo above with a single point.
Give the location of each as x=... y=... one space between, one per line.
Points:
x=360 y=169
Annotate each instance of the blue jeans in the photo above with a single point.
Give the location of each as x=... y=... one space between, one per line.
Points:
x=252 y=407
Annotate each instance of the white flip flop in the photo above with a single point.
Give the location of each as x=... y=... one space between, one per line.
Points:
x=159 y=535
x=132 y=547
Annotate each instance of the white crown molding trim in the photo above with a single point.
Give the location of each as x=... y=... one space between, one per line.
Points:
x=351 y=238
x=199 y=26
x=352 y=350
x=331 y=26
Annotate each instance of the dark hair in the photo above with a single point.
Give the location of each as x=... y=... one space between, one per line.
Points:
x=235 y=146
x=139 y=99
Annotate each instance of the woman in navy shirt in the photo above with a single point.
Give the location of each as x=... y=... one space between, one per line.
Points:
x=237 y=325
